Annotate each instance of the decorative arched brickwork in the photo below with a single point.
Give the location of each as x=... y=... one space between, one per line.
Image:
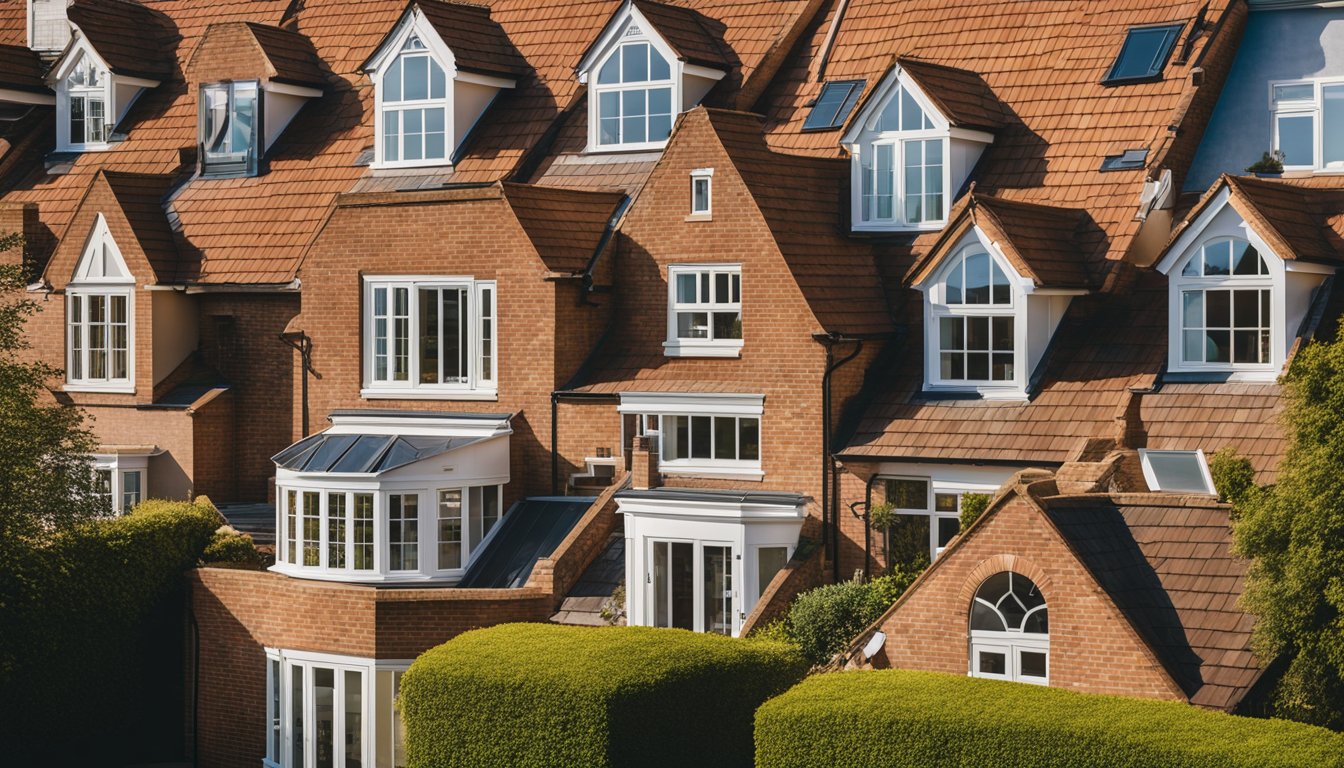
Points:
x=998 y=564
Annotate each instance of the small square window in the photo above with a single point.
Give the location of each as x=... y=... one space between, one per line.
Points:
x=1144 y=53
x=831 y=109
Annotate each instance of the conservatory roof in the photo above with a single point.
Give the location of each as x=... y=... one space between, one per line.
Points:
x=366 y=453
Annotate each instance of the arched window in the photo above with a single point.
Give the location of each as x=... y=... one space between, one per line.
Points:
x=973 y=311
x=1225 y=306
x=1010 y=629
x=901 y=165
x=414 y=98
x=634 y=95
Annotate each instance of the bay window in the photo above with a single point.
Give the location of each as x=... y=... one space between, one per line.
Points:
x=704 y=310
x=1308 y=124
x=430 y=337
x=634 y=92
x=1225 y=307
x=325 y=710
x=230 y=129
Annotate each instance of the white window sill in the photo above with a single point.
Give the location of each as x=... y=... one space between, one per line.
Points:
x=106 y=389
x=404 y=164
x=429 y=394
x=693 y=348
x=986 y=391
x=1260 y=376
x=712 y=471
x=647 y=146
x=928 y=226
x=700 y=217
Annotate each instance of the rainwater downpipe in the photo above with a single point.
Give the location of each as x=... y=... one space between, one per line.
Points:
x=830 y=524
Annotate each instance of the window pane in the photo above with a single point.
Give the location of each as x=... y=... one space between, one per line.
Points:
x=435 y=147
x=336 y=530
x=354 y=719
x=1246 y=260
x=1218 y=258
x=1144 y=53
x=634 y=127
x=952 y=366
x=436 y=80
x=401 y=334
x=490 y=511
x=718 y=590
x=885 y=180
x=610 y=72
x=1002 y=294
x=403 y=531
x=296 y=715
x=277 y=685
x=1218 y=309
x=658 y=66
x=908 y=494
x=1192 y=309
x=1296 y=140
x=721 y=292
x=1003 y=333
x=130 y=490
x=977 y=333
x=749 y=439
x=1294 y=92
x=363 y=533
x=1192 y=347
x=1246 y=309
x=1216 y=347
x=291 y=525
x=77 y=120
x=312 y=527
x=243 y=119
x=947 y=528
x=977 y=367
x=609 y=118
x=725 y=438
x=692 y=325
x=1332 y=126
x=686 y=288
x=700 y=437
x=392 y=83
x=769 y=561
x=635 y=63
x=977 y=278
x=660 y=114
x=908 y=539
x=324 y=720
x=450 y=529
x=912 y=117
x=1031 y=663
x=429 y=335
x=727 y=325
x=487 y=310
x=699 y=195
x=676 y=437
x=416 y=71
x=951 y=333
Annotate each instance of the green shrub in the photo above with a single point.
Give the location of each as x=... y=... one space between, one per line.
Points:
x=229 y=546
x=901 y=718
x=1233 y=475
x=91 y=637
x=823 y=621
x=523 y=695
x=972 y=506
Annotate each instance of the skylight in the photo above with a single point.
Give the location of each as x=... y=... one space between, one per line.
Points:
x=1131 y=159
x=1144 y=53
x=1177 y=471
x=832 y=107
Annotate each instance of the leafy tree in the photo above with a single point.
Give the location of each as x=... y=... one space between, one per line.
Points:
x=1233 y=476
x=972 y=506
x=45 y=481
x=1294 y=533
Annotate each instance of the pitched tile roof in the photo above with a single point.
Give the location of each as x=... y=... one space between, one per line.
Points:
x=1246 y=417
x=141 y=199
x=963 y=97
x=695 y=38
x=133 y=39
x=1041 y=241
x=837 y=275
x=291 y=55
x=566 y=226
x=21 y=70
x=1303 y=219
x=1166 y=562
x=478 y=42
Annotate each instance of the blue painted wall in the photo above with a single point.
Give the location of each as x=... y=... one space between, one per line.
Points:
x=1278 y=45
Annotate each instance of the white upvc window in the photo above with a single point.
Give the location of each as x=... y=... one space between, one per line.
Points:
x=430 y=337
x=973 y=324
x=329 y=710
x=230 y=128
x=367 y=535
x=87 y=98
x=634 y=95
x=414 y=108
x=99 y=315
x=702 y=194
x=1308 y=123
x=902 y=167
x=1009 y=631
x=704 y=310
x=121 y=480
x=1224 y=295
x=707 y=435
x=926 y=514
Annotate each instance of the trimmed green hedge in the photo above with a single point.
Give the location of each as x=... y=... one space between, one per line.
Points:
x=901 y=718
x=91 y=638
x=533 y=695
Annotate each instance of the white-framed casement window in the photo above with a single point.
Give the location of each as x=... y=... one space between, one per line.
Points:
x=327 y=710
x=86 y=100
x=705 y=434
x=704 y=316
x=1010 y=631
x=902 y=166
x=121 y=480
x=430 y=337
x=230 y=128
x=702 y=194
x=973 y=329
x=99 y=313
x=414 y=109
x=633 y=95
x=926 y=518
x=1225 y=297
x=1308 y=123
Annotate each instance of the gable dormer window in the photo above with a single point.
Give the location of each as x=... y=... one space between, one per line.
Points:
x=415 y=108
x=972 y=308
x=634 y=95
x=99 y=302
x=230 y=129
x=1226 y=318
x=86 y=100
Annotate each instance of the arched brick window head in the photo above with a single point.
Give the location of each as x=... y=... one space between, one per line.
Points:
x=1010 y=628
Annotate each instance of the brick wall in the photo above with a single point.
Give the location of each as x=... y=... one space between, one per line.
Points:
x=1092 y=648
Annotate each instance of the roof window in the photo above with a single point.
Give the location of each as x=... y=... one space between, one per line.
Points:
x=832 y=107
x=1177 y=471
x=1144 y=53
x=1129 y=160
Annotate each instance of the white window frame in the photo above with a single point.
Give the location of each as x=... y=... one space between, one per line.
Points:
x=706 y=347
x=289 y=551
x=119 y=93
x=119 y=466
x=702 y=176
x=674 y=83
x=383 y=107
x=1011 y=643
x=369 y=669
x=1179 y=284
x=929 y=511
x=698 y=577
x=865 y=146
x=1313 y=108
x=246 y=162
x=1150 y=476
x=937 y=307
x=714 y=405
x=89 y=282
x=68 y=92
x=477 y=386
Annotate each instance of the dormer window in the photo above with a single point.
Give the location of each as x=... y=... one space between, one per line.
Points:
x=86 y=97
x=415 y=108
x=651 y=62
x=634 y=96
x=230 y=129
x=99 y=301
x=973 y=312
x=910 y=153
x=434 y=76
x=1225 y=294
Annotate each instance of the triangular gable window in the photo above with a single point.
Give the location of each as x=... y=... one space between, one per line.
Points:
x=101 y=261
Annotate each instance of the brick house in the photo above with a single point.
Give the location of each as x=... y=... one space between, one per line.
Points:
x=483 y=298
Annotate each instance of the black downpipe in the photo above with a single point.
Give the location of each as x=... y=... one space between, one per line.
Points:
x=302 y=344
x=555 y=440
x=830 y=519
x=868 y=524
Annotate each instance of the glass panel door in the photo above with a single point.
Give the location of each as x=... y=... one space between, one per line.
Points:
x=718 y=589
x=324 y=716
x=673 y=596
